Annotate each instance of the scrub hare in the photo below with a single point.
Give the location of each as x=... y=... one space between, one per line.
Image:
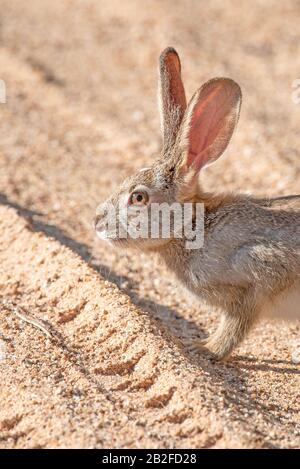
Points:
x=249 y=263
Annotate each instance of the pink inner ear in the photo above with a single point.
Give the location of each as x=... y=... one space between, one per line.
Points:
x=177 y=93
x=212 y=122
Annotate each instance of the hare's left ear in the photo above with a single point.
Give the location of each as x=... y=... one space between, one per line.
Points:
x=209 y=123
x=172 y=101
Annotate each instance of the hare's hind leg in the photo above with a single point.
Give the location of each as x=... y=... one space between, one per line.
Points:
x=234 y=326
x=285 y=305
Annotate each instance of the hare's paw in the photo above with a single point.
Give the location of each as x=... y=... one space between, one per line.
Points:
x=218 y=347
x=211 y=347
x=206 y=348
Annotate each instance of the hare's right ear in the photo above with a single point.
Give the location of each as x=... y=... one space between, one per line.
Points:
x=172 y=101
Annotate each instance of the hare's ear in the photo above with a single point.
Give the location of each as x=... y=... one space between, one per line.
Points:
x=172 y=101
x=209 y=123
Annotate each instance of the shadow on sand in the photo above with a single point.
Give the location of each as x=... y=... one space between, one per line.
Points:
x=231 y=375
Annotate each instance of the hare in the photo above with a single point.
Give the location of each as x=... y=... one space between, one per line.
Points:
x=249 y=263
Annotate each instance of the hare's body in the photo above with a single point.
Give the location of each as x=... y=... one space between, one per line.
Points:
x=249 y=263
x=248 y=267
x=246 y=241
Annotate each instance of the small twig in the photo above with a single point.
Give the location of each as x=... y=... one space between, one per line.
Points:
x=19 y=311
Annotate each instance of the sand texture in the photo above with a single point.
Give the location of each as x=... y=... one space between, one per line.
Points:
x=81 y=114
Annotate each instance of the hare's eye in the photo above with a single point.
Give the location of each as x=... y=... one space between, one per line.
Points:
x=139 y=198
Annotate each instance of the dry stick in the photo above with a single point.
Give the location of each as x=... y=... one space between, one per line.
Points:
x=18 y=311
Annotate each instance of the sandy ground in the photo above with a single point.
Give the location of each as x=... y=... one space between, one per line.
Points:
x=80 y=115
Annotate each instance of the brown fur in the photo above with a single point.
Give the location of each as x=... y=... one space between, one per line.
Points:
x=251 y=252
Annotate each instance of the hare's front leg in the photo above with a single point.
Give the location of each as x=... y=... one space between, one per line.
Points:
x=234 y=326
